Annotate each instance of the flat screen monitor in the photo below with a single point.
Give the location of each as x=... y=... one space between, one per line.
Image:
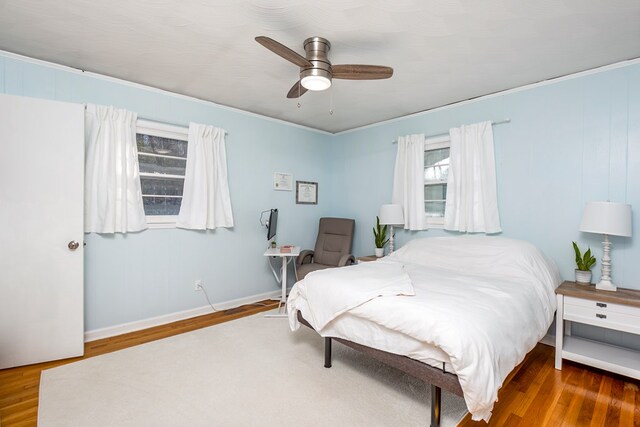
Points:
x=273 y=224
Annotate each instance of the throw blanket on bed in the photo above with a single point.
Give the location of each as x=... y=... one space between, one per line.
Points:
x=484 y=301
x=350 y=287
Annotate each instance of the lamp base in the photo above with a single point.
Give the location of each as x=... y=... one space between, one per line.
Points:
x=606 y=285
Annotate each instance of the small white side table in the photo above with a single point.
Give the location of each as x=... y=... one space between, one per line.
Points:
x=286 y=258
x=619 y=311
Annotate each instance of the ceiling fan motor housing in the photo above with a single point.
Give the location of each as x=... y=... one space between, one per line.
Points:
x=317 y=50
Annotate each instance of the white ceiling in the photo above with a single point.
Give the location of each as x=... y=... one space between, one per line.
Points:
x=441 y=51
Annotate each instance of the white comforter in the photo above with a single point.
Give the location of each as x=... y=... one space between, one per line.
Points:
x=350 y=287
x=485 y=301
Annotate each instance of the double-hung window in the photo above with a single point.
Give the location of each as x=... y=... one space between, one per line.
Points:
x=436 y=172
x=162 y=158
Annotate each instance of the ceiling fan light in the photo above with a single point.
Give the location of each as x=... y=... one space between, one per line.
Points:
x=316 y=82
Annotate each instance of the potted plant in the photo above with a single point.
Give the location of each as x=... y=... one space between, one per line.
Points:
x=584 y=264
x=380 y=237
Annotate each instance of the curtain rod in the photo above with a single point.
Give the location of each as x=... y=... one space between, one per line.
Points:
x=499 y=122
x=163 y=123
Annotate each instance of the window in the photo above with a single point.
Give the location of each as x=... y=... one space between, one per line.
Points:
x=436 y=171
x=162 y=158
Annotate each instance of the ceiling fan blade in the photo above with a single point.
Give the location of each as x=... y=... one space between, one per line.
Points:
x=283 y=51
x=361 y=72
x=296 y=90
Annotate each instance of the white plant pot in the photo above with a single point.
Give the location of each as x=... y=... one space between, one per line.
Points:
x=379 y=252
x=583 y=277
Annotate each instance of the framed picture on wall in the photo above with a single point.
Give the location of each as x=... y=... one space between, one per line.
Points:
x=282 y=181
x=306 y=193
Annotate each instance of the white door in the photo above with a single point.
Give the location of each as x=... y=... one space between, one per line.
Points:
x=41 y=220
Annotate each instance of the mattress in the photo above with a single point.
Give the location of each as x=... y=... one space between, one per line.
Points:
x=365 y=332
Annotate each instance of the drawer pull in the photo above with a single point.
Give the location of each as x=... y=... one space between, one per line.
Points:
x=601 y=316
x=601 y=304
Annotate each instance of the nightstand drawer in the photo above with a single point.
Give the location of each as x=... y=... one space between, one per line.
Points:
x=602 y=306
x=604 y=317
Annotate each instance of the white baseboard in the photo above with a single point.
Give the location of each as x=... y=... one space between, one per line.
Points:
x=548 y=340
x=124 y=328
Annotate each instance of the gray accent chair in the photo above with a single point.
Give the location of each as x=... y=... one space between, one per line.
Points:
x=333 y=247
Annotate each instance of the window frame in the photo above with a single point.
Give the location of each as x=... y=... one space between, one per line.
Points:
x=435 y=143
x=163 y=130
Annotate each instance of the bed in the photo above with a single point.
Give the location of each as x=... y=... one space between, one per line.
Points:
x=458 y=312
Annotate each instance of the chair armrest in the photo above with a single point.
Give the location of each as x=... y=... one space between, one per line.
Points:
x=305 y=257
x=346 y=260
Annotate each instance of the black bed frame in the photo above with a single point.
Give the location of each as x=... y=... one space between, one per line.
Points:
x=437 y=378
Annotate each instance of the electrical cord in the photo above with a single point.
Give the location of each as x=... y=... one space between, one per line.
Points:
x=215 y=310
x=207 y=297
x=262 y=221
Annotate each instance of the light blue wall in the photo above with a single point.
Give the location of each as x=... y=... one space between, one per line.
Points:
x=569 y=142
x=152 y=273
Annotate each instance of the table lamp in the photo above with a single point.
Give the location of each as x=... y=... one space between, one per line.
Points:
x=610 y=219
x=391 y=215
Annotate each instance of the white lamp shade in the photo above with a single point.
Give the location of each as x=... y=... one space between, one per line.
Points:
x=609 y=218
x=391 y=214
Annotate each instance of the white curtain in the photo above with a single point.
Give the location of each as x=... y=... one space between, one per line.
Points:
x=112 y=194
x=408 y=181
x=472 y=201
x=206 y=203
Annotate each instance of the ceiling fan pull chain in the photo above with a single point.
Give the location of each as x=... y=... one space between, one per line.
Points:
x=331 y=102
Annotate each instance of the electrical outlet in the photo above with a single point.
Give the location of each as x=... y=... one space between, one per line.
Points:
x=198 y=285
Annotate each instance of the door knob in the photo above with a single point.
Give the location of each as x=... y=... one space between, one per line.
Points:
x=73 y=245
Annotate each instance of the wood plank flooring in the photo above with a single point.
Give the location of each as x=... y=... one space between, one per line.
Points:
x=536 y=395
x=539 y=395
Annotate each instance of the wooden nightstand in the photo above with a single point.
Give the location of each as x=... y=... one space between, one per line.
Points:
x=367 y=258
x=618 y=310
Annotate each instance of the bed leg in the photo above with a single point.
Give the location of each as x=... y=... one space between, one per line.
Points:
x=327 y=352
x=436 y=395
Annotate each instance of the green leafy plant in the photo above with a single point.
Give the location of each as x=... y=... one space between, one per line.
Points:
x=380 y=234
x=586 y=261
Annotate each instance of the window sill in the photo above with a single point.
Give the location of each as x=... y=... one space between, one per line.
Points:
x=435 y=223
x=161 y=222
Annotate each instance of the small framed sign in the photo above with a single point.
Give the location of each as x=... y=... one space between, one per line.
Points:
x=282 y=181
x=306 y=193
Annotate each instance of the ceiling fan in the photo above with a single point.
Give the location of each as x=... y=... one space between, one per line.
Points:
x=316 y=70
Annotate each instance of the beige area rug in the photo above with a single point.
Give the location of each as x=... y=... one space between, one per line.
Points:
x=248 y=372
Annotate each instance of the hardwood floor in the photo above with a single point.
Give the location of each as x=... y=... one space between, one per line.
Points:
x=19 y=386
x=536 y=395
